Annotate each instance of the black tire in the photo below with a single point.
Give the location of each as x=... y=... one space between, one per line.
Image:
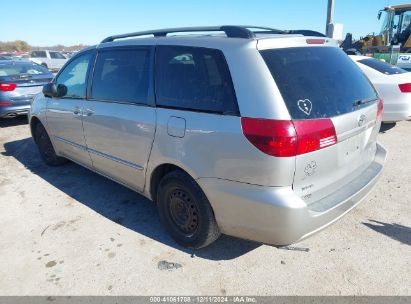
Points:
x=45 y=147
x=185 y=211
x=45 y=65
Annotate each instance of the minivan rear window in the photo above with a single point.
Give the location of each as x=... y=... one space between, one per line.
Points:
x=318 y=82
x=381 y=66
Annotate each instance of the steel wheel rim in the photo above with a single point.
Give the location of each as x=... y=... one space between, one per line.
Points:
x=183 y=212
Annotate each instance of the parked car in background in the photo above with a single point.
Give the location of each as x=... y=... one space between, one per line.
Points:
x=69 y=54
x=6 y=56
x=2 y=57
x=264 y=136
x=19 y=82
x=52 y=60
x=393 y=85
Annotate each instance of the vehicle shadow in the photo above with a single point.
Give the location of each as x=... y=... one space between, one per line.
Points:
x=115 y=202
x=12 y=122
x=386 y=126
x=395 y=231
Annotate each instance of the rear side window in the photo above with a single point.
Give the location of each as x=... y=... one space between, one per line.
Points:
x=381 y=66
x=318 y=82
x=38 y=54
x=194 y=78
x=56 y=55
x=122 y=75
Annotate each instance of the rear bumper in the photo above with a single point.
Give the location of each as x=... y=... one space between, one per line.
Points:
x=397 y=112
x=12 y=111
x=276 y=215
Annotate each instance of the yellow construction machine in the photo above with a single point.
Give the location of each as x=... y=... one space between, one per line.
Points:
x=393 y=43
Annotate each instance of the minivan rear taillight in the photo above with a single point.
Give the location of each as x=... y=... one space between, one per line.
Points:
x=313 y=135
x=380 y=110
x=284 y=138
x=7 y=86
x=405 y=87
x=273 y=137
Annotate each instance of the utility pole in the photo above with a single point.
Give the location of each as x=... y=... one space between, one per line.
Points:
x=330 y=17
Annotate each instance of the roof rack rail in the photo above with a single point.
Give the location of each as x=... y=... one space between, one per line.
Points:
x=232 y=31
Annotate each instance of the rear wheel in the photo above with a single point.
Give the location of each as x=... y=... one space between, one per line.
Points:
x=46 y=148
x=185 y=211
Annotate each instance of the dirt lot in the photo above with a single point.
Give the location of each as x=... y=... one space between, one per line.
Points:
x=69 y=231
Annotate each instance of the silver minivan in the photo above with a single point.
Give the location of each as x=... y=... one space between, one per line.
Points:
x=246 y=131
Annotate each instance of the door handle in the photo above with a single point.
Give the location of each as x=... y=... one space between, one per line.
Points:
x=76 y=110
x=89 y=112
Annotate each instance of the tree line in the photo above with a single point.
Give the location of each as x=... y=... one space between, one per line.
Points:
x=17 y=45
x=23 y=46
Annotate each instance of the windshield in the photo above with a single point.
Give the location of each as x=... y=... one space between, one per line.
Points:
x=386 y=22
x=15 y=69
x=318 y=82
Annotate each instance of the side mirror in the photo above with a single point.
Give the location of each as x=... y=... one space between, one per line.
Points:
x=50 y=90
x=61 y=90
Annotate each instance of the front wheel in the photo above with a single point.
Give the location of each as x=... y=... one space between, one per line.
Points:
x=185 y=211
x=46 y=148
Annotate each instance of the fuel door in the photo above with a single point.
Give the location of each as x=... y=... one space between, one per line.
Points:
x=176 y=126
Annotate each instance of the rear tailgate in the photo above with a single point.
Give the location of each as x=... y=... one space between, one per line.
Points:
x=323 y=172
x=321 y=84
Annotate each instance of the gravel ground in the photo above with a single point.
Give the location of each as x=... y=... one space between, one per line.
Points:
x=69 y=231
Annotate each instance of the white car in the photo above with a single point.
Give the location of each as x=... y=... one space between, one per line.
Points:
x=392 y=83
x=52 y=60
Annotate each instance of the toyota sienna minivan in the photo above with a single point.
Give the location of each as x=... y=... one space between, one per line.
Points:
x=246 y=131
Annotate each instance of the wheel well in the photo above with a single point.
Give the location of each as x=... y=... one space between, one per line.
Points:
x=158 y=174
x=33 y=124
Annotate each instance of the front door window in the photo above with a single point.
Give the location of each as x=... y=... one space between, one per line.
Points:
x=74 y=77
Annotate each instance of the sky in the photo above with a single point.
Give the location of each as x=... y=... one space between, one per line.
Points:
x=69 y=22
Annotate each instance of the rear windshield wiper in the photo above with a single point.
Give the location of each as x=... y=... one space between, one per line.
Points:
x=363 y=101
